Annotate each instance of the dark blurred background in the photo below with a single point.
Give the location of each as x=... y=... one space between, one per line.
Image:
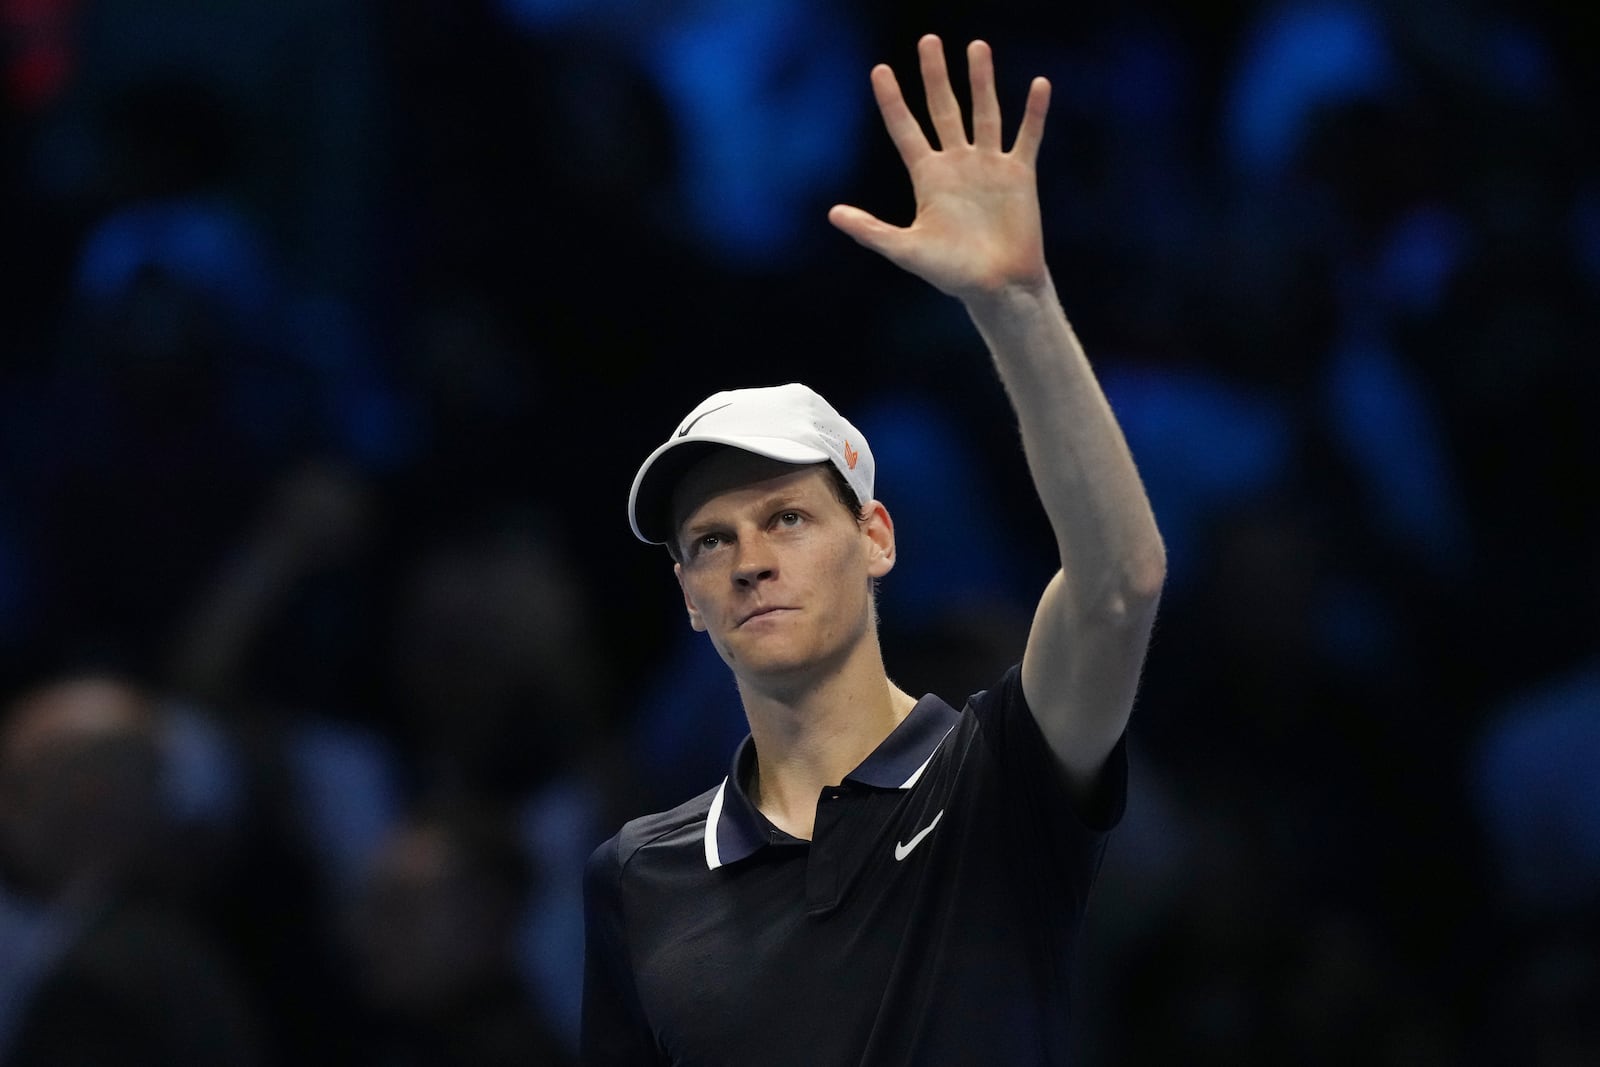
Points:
x=333 y=333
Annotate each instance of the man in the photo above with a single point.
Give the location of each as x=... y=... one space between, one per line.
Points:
x=98 y=965
x=883 y=880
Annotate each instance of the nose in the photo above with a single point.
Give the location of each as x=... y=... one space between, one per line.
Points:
x=755 y=562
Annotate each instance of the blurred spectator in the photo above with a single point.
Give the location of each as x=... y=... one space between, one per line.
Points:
x=501 y=695
x=286 y=617
x=1532 y=773
x=191 y=374
x=432 y=943
x=487 y=692
x=766 y=110
x=494 y=676
x=101 y=969
x=1534 y=787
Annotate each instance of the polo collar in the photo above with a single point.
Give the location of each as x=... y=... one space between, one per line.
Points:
x=735 y=827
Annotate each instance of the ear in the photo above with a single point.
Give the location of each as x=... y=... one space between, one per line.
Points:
x=695 y=621
x=879 y=531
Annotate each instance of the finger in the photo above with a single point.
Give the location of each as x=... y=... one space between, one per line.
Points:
x=865 y=229
x=1031 y=132
x=985 y=103
x=943 y=108
x=904 y=129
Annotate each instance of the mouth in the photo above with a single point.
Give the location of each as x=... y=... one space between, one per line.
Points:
x=762 y=613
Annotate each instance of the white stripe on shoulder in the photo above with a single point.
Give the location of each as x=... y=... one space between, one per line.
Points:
x=713 y=817
x=909 y=782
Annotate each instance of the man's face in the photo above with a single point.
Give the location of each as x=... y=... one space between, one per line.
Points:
x=774 y=570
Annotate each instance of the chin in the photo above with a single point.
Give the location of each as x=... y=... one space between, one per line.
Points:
x=772 y=666
x=786 y=667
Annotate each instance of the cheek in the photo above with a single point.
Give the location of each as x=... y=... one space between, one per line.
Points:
x=848 y=579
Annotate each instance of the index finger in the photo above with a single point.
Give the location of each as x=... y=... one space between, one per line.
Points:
x=1029 y=134
x=904 y=129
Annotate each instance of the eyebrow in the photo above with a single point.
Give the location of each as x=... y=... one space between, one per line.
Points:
x=782 y=500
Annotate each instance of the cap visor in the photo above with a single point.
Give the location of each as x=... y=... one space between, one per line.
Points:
x=650 y=500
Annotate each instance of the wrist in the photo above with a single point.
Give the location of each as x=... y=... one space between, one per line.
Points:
x=1012 y=304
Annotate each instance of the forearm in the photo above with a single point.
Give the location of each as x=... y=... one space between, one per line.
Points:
x=977 y=235
x=1111 y=551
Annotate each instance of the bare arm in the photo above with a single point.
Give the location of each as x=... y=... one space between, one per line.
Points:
x=977 y=236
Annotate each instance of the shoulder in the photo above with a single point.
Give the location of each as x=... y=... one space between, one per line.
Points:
x=1004 y=697
x=1003 y=718
x=684 y=822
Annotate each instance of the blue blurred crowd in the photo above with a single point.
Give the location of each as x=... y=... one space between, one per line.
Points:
x=333 y=333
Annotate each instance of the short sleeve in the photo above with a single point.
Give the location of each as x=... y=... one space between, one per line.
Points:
x=1042 y=809
x=615 y=1031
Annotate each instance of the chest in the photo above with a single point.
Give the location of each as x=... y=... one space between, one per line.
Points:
x=902 y=899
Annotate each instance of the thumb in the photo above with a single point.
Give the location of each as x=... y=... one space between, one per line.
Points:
x=865 y=229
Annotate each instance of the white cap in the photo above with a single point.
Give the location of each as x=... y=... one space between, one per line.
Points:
x=789 y=423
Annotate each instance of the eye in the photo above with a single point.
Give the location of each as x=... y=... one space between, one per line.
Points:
x=789 y=518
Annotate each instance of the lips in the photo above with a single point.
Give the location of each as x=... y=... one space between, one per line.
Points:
x=759 y=612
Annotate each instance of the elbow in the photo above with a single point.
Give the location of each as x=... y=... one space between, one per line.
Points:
x=1127 y=593
x=1137 y=591
x=1128 y=602
x=1144 y=573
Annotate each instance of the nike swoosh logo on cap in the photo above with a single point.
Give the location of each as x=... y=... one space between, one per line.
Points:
x=685 y=431
x=901 y=851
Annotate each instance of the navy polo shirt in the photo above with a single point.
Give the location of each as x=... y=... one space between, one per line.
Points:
x=929 y=921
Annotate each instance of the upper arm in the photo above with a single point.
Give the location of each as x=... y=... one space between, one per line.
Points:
x=1080 y=670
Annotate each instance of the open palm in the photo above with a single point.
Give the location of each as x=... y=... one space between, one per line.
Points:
x=977 y=228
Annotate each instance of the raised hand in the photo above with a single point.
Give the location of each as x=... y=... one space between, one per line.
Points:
x=977 y=230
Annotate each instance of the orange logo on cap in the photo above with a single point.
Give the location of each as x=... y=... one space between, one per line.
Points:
x=850 y=456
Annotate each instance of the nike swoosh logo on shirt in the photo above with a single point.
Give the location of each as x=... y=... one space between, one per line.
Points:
x=901 y=851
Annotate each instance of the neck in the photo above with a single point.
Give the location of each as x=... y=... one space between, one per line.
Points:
x=810 y=736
